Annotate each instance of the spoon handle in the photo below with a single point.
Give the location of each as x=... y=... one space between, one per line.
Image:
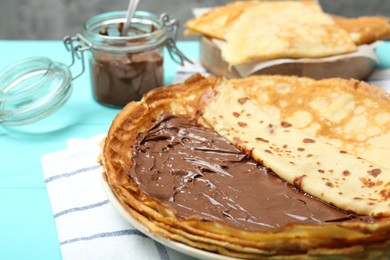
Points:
x=130 y=12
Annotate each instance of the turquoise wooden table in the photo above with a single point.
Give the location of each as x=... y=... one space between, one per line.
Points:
x=27 y=229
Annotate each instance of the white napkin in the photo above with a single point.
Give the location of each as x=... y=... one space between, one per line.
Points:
x=88 y=226
x=185 y=71
x=381 y=78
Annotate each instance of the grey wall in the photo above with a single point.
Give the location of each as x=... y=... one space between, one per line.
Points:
x=53 y=19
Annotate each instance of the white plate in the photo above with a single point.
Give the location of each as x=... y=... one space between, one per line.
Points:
x=185 y=249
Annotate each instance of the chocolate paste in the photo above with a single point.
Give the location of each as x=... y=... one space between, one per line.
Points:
x=121 y=78
x=200 y=174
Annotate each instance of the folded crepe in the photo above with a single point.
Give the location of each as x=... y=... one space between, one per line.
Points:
x=285 y=29
x=215 y=22
x=323 y=138
x=312 y=164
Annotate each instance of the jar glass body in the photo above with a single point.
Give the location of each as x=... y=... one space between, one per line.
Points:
x=123 y=68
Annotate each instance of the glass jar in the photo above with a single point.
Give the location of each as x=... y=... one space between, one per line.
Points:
x=123 y=68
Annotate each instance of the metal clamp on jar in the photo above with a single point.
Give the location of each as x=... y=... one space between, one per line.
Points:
x=123 y=68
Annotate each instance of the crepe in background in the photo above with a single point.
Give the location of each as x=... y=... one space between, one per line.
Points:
x=285 y=29
x=215 y=22
x=366 y=29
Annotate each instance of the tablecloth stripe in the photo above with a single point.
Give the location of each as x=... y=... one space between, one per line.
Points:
x=126 y=232
x=76 y=209
x=70 y=174
x=162 y=251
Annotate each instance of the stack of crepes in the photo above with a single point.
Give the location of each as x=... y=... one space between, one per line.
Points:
x=254 y=31
x=326 y=143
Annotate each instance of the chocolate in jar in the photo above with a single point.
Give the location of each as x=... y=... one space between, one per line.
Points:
x=126 y=62
x=119 y=78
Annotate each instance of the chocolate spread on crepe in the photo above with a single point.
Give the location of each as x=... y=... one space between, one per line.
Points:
x=200 y=174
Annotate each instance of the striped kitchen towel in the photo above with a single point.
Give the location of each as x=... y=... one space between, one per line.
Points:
x=88 y=226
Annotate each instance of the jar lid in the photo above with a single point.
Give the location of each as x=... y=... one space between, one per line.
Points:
x=32 y=89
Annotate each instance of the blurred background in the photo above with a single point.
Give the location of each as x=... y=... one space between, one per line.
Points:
x=53 y=19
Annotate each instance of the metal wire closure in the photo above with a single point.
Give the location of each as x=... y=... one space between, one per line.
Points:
x=172 y=25
x=77 y=51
